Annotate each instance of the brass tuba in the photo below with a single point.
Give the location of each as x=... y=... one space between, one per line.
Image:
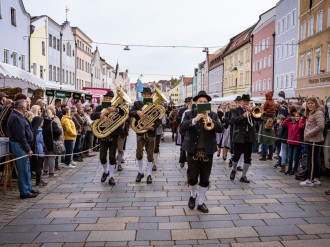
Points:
x=257 y=112
x=103 y=128
x=152 y=112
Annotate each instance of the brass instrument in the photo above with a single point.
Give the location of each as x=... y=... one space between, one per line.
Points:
x=208 y=123
x=103 y=128
x=257 y=112
x=152 y=112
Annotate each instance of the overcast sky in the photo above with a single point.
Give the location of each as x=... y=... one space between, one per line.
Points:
x=202 y=23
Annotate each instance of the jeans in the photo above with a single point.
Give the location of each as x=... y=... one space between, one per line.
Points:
x=284 y=151
x=23 y=169
x=69 y=144
x=88 y=141
x=77 y=145
x=293 y=156
x=264 y=149
x=278 y=151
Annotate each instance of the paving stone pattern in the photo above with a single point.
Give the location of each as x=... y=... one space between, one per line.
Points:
x=76 y=209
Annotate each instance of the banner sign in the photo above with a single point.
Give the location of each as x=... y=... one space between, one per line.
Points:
x=76 y=95
x=50 y=93
x=60 y=94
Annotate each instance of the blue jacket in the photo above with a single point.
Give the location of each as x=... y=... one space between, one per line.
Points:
x=39 y=142
x=19 y=130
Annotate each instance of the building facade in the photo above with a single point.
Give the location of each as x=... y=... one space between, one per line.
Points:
x=216 y=75
x=174 y=94
x=263 y=53
x=237 y=64
x=83 y=47
x=314 y=50
x=96 y=69
x=286 y=47
x=15 y=28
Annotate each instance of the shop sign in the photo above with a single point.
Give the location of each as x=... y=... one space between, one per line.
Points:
x=88 y=97
x=50 y=93
x=60 y=94
x=68 y=95
x=76 y=95
x=319 y=80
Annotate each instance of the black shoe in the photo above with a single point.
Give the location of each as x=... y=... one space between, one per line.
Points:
x=34 y=191
x=154 y=168
x=244 y=180
x=203 y=208
x=232 y=175
x=119 y=168
x=122 y=161
x=28 y=195
x=230 y=163
x=181 y=165
x=112 y=182
x=269 y=157
x=192 y=202
x=276 y=165
x=149 y=180
x=239 y=169
x=104 y=177
x=139 y=177
x=287 y=172
x=263 y=158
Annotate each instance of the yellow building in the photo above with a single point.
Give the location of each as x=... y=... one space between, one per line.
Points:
x=175 y=94
x=237 y=64
x=313 y=77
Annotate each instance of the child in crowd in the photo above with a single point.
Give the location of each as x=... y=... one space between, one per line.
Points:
x=278 y=130
x=269 y=106
x=295 y=125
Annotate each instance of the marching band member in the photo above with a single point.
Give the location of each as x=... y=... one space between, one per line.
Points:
x=243 y=136
x=109 y=142
x=200 y=144
x=146 y=139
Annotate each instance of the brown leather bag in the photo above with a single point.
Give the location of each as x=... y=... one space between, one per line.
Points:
x=268 y=125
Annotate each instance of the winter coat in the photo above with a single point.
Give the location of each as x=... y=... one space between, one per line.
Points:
x=294 y=130
x=48 y=135
x=314 y=127
x=70 y=132
x=59 y=125
x=269 y=106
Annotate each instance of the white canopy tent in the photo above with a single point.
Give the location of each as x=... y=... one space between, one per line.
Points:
x=14 y=77
x=226 y=99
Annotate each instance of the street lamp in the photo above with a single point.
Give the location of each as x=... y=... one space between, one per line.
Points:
x=126 y=48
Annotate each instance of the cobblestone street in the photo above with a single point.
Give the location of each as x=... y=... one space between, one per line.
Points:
x=76 y=209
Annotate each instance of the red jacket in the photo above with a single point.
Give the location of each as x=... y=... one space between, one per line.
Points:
x=294 y=130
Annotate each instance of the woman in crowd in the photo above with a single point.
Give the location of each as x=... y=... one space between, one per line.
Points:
x=313 y=135
x=35 y=109
x=70 y=134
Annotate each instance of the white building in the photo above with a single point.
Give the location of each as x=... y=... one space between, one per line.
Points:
x=216 y=74
x=96 y=70
x=15 y=32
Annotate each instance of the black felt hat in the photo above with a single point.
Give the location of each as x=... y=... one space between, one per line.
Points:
x=202 y=94
x=146 y=90
x=246 y=97
x=187 y=100
x=238 y=98
x=109 y=93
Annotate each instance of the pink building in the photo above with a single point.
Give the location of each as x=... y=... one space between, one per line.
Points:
x=263 y=54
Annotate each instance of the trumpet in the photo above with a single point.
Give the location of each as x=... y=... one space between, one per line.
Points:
x=249 y=118
x=208 y=123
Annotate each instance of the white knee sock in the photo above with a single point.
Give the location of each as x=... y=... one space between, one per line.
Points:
x=193 y=191
x=140 y=164
x=149 y=168
x=156 y=158
x=112 y=170
x=105 y=168
x=240 y=161
x=202 y=193
x=245 y=169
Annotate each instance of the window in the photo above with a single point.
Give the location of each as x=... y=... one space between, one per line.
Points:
x=311 y=26
x=277 y=82
x=287 y=21
x=303 y=30
x=63 y=48
x=54 y=73
x=43 y=48
x=319 y=21
x=58 y=74
x=70 y=76
x=62 y=76
x=309 y=64
x=50 y=74
x=67 y=76
x=82 y=65
x=54 y=42
x=50 y=40
x=278 y=28
x=286 y=80
x=257 y=66
x=22 y=61
x=263 y=44
x=265 y=62
x=58 y=44
x=253 y=87
x=253 y=66
x=5 y=56
x=13 y=16
x=259 y=85
x=317 y=62
x=282 y=81
x=34 y=68
x=268 y=43
x=41 y=72
x=277 y=53
x=269 y=84
x=260 y=64
x=15 y=59
x=264 y=85
x=293 y=20
x=283 y=24
x=301 y=66
x=291 y=80
x=270 y=61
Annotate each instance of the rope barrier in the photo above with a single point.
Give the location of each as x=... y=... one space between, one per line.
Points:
x=47 y=155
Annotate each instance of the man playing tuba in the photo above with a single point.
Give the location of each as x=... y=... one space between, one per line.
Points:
x=146 y=139
x=200 y=145
x=109 y=142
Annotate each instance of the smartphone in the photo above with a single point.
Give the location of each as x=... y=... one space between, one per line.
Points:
x=106 y=105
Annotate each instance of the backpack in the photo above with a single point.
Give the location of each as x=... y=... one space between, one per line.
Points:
x=302 y=173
